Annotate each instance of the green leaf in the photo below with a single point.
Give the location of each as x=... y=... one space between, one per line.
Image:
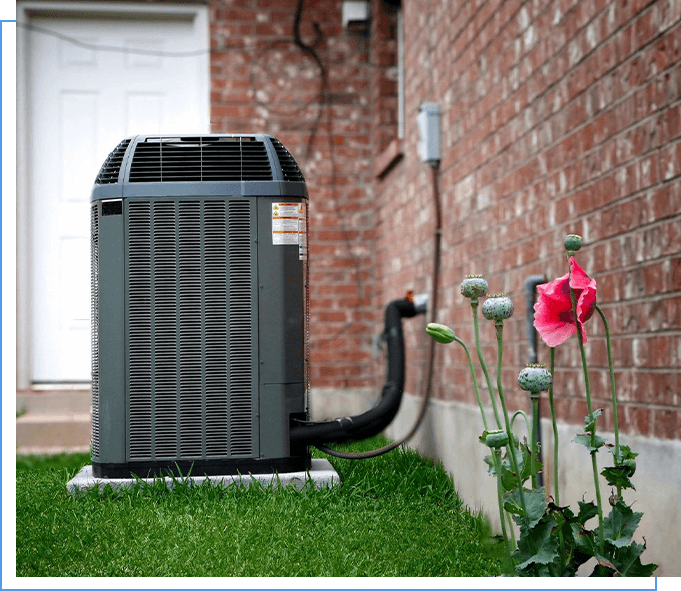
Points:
x=535 y=504
x=625 y=453
x=586 y=511
x=489 y=460
x=620 y=525
x=590 y=420
x=585 y=440
x=628 y=560
x=536 y=546
x=618 y=476
x=512 y=503
x=584 y=540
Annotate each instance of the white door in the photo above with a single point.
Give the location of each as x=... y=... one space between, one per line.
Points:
x=84 y=97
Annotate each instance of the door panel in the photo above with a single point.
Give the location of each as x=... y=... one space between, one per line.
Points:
x=82 y=101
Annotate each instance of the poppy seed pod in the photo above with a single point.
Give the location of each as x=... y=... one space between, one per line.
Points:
x=497 y=307
x=473 y=287
x=535 y=378
x=573 y=242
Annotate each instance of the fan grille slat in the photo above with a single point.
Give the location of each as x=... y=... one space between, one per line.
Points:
x=200 y=159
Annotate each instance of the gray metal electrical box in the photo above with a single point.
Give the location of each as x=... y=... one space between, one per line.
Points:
x=199 y=307
x=428 y=123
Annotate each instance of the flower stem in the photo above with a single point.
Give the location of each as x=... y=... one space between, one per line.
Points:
x=612 y=381
x=496 y=455
x=556 y=494
x=535 y=430
x=511 y=445
x=527 y=420
x=475 y=381
x=496 y=458
x=589 y=406
x=474 y=305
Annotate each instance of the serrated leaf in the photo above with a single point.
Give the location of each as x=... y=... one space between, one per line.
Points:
x=625 y=453
x=535 y=505
x=584 y=540
x=509 y=479
x=512 y=505
x=606 y=563
x=586 y=511
x=590 y=420
x=585 y=440
x=620 y=525
x=617 y=476
x=536 y=546
x=629 y=563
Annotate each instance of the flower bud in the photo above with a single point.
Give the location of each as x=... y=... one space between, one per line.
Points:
x=535 y=378
x=573 y=242
x=440 y=332
x=496 y=439
x=497 y=307
x=473 y=286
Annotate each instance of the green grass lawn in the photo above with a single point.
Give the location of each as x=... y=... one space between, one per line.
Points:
x=395 y=515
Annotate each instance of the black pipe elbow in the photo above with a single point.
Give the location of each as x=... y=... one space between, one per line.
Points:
x=380 y=416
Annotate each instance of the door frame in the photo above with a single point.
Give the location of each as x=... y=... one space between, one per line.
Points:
x=26 y=10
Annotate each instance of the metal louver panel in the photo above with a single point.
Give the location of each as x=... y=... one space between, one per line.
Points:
x=165 y=329
x=112 y=165
x=94 y=323
x=200 y=159
x=140 y=319
x=215 y=295
x=190 y=318
x=289 y=167
x=190 y=322
x=240 y=342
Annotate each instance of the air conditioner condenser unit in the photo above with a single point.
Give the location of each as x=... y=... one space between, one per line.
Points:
x=199 y=307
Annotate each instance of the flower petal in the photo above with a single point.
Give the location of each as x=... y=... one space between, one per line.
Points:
x=585 y=289
x=550 y=327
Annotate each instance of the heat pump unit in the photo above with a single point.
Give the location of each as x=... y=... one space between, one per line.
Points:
x=199 y=296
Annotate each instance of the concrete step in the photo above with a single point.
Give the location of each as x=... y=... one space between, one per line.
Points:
x=53 y=420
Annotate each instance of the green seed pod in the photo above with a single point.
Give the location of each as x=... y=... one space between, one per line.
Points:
x=440 y=332
x=535 y=378
x=497 y=307
x=473 y=287
x=496 y=439
x=573 y=242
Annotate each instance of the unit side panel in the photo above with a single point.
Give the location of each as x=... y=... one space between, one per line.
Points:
x=281 y=325
x=108 y=371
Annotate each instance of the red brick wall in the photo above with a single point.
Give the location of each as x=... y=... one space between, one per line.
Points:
x=262 y=82
x=558 y=116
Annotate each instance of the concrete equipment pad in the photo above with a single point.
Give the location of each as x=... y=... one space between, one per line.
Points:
x=321 y=474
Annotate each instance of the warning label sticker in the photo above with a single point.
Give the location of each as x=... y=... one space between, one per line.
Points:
x=289 y=227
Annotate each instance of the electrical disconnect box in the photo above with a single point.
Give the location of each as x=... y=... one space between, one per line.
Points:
x=428 y=123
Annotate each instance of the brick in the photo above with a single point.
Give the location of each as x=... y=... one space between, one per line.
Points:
x=572 y=127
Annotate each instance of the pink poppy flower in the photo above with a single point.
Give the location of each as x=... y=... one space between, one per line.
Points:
x=553 y=316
